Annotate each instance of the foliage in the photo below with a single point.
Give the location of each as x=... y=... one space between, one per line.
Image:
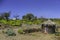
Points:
x=3 y=21
x=10 y=32
x=15 y=22
x=28 y=16
x=6 y=15
x=26 y=19
x=19 y=22
x=37 y=22
x=57 y=33
x=20 y=31
x=3 y=31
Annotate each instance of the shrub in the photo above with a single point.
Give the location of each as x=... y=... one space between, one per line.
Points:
x=4 y=21
x=10 y=32
x=20 y=31
x=57 y=33
x=3 y=31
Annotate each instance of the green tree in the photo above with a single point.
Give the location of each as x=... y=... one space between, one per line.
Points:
x=6 y=15
x=24 y=17
x=1 y=16
x=28 y=16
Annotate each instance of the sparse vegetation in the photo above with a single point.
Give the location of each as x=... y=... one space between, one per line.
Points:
x=10 y=32
x=28 y=19
x=57 y=34
x=20 y=31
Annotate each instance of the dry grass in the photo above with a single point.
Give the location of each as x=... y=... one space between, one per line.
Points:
x=31 y=36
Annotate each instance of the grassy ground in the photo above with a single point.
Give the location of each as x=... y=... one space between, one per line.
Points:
x=31 y=36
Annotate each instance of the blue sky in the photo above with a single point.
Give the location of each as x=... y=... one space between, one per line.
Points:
x=45 y=8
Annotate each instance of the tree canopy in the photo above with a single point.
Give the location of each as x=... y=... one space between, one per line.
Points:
x=5 y=15
x=28 y=16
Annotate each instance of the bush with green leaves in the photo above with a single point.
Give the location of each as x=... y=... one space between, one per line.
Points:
x=15 y=22
x=3 y=31
x=57 y=33
x=3 y=21
x=10 y=32
x=20 y=31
